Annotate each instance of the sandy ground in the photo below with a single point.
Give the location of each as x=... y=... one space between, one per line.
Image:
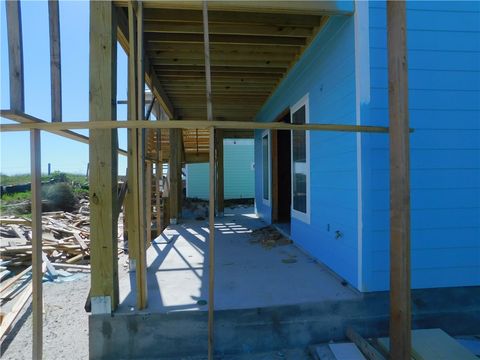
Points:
x=65 y=331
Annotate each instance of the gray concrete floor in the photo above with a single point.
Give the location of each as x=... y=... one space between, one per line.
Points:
x=247 y=275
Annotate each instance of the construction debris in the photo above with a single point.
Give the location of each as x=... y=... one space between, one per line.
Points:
x=65 y=246
x=269 y=237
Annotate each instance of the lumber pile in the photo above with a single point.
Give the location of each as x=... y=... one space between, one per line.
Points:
x=65 y=245
x=65 y=240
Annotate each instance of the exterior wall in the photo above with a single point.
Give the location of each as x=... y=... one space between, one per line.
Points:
x=444 y=100
x=238 y=168
x=326 y=73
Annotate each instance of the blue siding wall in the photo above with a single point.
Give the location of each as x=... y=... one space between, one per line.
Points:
x=327 y=73
x=444 y=99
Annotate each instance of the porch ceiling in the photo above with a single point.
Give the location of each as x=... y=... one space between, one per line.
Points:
x=251 y=49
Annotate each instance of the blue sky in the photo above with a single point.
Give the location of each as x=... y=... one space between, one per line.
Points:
x=63 y=154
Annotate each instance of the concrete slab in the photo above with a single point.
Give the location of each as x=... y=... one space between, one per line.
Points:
x=247 y=275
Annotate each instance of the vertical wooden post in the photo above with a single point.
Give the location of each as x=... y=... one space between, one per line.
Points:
x=211 y=247
x=175 y=172
x=400 y=311
x=220 y=183
x=158 y=178
x=141 y=267
x=55 y=60
x=103 y=158
x=148 y=196
x=37 y=301
x=211 y=207
x=131 y=208
x=15 y=55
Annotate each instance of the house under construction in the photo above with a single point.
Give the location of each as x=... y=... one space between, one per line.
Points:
x=346 y=133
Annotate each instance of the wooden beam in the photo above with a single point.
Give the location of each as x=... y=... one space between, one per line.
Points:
x=103 y=158
x=15 y=55
x=250 y=63
x=141 y=266
x=175 y=174
x=169 y=27
x=192 y=124
x=23 y=118
x=148 y=195
x=131 y=212
x=243 y=70
x=55 y=60
x=37 y=273
x=158 y=179
x=239 y=17
x=227 y=39
x=211 y=205
x=400 y=299
x=220 y=183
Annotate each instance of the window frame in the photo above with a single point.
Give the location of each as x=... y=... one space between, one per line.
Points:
x=297 y=214
x=268 y=201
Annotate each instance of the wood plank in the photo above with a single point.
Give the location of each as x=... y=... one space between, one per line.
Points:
x=37 y=254
x=368 y=350
x=15 y=55
x=346 y=351
x=23 y=118
x=226 y=39
x=220 y=179
x=250 y=63
x=55 y=60
x=9 y=282
x=433 y=344
x=400 y=299
x=141 y=266
x=148 y=188
x=9 y=319
x=174 y=174
x=193 y=124
x=103 y=159
x=243 y=70
x=192 y=27
x=239 y=17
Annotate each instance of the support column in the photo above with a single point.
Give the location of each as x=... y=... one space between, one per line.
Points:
x=103 y=158
x=158 y=178
x=55 y=60
x=15 y=55
x=175 y=173
x=141 y=267
x=220 y=183
x=37 y=274
x=148 y=195
x=400 y=308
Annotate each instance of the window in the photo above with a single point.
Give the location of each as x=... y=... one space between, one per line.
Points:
x=266 y=167
x=300 y=162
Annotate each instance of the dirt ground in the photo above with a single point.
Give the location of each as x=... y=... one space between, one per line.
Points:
x=65 y=328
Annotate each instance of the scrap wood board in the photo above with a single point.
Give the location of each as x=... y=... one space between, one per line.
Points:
x=433 y=344
x=338 y=351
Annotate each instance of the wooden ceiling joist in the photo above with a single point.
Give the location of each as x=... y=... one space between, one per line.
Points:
x=252 y=47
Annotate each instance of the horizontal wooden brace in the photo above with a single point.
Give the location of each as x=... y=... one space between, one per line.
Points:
x=23 y=118
x=189 y=124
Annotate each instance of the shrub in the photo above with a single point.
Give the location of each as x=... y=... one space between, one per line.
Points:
x=61 y=197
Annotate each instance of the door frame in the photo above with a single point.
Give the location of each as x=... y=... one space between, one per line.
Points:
x=274 y=164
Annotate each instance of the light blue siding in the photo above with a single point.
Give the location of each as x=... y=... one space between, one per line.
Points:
x=327 y=73
x=238 y=170
x=444 y=101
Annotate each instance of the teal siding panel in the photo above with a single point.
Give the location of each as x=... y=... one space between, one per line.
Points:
x=238 y=170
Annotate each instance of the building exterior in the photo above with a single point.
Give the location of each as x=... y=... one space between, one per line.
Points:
x=238 y=172
x=337 y=203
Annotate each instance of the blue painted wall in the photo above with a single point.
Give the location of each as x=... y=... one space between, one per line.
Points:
x=444 y=101
x=327 y=73
x=238 y=172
